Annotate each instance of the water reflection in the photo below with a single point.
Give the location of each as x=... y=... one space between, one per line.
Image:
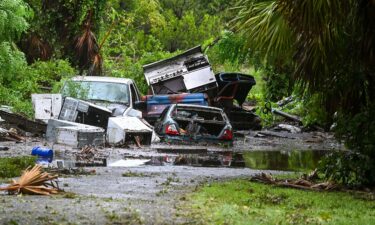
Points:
x=283 y=160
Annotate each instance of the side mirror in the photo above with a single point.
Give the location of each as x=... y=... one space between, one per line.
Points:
x=140 y=105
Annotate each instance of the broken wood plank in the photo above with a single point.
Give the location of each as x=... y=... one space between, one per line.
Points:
x=286 y=115
x=24 y=123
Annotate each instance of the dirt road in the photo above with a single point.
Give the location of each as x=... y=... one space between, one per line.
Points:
x=146 y=194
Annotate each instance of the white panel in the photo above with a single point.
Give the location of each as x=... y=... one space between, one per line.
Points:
x=118 y=126
x=46 y=106
x=199 y=78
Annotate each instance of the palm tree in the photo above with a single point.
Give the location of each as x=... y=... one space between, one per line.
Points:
x=330 y=44
x=329 y=41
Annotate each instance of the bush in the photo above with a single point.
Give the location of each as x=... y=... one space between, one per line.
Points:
x=348 y=168
x=278 y=84
x=40 y=77
x=13 y=167
x=358 y=166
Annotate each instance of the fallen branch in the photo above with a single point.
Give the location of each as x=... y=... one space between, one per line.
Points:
x=33 y=181
x=301 y=183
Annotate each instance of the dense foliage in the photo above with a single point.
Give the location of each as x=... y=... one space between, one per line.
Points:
x=329 y=46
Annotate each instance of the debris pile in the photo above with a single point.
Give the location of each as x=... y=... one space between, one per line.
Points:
x=34 y=181
x=10 y=135
x=305 y=182
x=90 y=156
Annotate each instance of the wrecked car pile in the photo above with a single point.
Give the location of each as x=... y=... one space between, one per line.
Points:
x=187 y=102
x=179 y=79
x=96 y=111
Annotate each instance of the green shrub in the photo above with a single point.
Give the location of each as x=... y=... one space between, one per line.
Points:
x=13 y=167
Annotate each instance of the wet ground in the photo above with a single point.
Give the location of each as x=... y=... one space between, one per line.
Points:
x=146 y=185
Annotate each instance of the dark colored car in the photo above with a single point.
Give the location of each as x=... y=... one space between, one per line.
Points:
x=194 y=123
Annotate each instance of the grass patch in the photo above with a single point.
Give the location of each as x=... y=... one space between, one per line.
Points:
x=13 y=167
x=133 y=174
x=244 y=202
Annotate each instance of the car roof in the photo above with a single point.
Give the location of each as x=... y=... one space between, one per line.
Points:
x=199 y=106
x=103 y=79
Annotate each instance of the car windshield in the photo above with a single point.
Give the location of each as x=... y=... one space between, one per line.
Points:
x=97 y=91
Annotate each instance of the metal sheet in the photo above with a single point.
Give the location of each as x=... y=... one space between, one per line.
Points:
x=119 y=127
x=199 y=78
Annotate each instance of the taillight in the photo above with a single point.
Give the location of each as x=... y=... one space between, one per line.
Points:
x=171 y=129
x=227 y=135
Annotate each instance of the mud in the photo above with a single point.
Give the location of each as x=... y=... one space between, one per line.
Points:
x=146 y=194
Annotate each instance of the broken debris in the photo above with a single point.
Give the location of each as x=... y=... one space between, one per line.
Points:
x=305 y=183
x=22 y=123
x=34 y=181
x=289 y=128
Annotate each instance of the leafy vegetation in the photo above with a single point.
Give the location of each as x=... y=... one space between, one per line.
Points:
x=254 y=203
x=13 y=167
x=329 y=47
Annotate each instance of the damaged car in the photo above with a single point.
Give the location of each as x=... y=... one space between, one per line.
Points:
x=194 y=123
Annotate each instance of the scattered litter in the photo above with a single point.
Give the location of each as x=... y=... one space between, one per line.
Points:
x=71 y=171
x=10 y=135
x=86 y=153
x=289 y=128
x=34 y=181
x=272 y=134
x=129 y=163
x=4 y=148
x=186 y=150
x=23 y=123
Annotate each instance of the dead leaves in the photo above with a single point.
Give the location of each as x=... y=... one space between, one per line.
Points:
x=33 y=181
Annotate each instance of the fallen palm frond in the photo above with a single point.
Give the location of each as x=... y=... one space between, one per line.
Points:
x=33 y=181
x=304 y=183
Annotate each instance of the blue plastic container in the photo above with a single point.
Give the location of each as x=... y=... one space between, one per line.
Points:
x=43 y=153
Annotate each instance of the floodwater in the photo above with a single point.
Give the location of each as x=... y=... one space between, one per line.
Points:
x=260 y=160
x=284 y=160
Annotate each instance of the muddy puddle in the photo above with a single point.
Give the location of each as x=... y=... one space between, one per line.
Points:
x=260 y=160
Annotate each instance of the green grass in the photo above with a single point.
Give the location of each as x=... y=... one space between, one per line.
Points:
x=244 y=202
x=13 y=167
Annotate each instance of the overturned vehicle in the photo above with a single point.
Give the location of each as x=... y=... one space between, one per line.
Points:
x=194 y=123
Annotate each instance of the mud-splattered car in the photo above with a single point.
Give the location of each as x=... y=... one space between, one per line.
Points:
x=194 y=123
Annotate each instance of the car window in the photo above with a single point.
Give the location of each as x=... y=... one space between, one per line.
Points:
x=197 y=113
x=97 y=91
x=134 y=93
x=162 y=115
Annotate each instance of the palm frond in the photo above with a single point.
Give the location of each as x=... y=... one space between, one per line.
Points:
x=87 y=48
x=33 y=181
x=265 y=27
